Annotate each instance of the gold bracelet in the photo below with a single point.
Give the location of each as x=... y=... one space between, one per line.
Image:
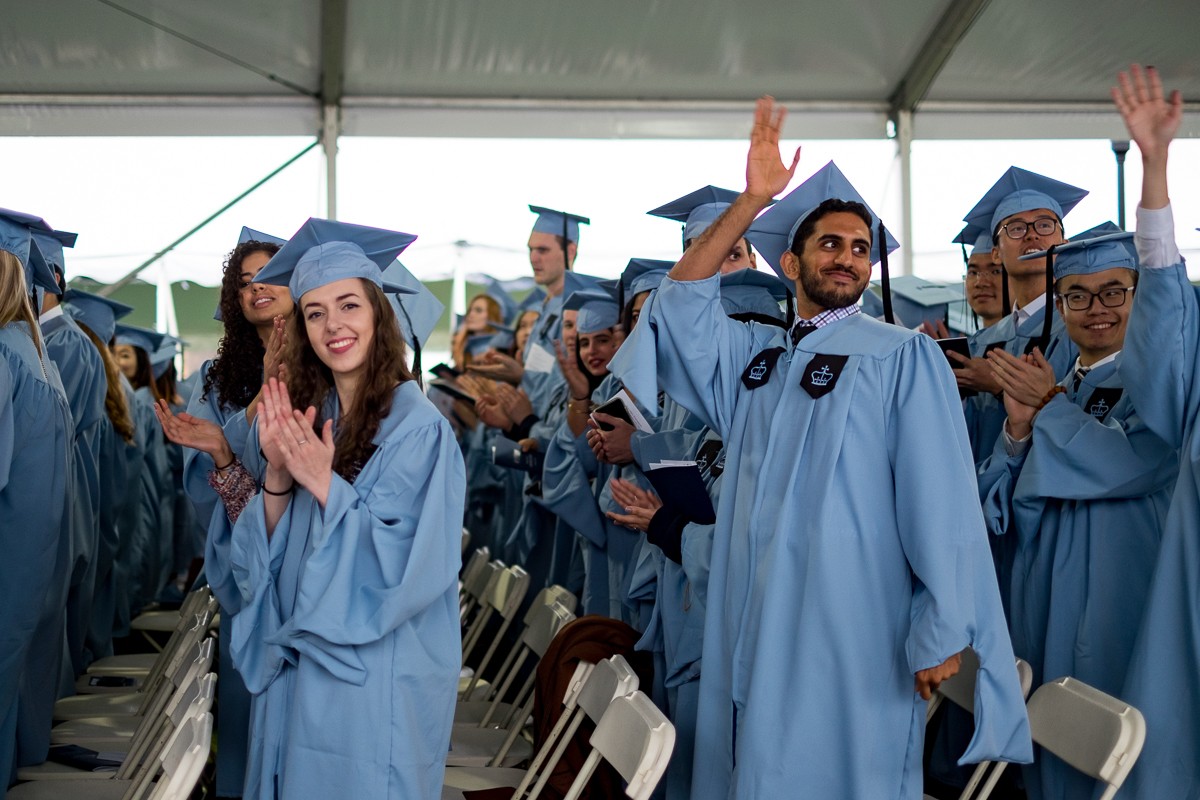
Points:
x=573 y=408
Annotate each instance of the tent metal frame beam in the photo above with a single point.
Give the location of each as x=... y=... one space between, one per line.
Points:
x=934 y=52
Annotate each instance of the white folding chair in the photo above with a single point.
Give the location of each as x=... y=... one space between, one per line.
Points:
x=636 y=739
x=544 y=624
x=466 y=540
x=150 y=622
x=477 y=612
x=470 y=572
x=476 y=747
x=149 y=737
x=503 y=600
x=960 y=690
x=1096 y=733
x=136 y=669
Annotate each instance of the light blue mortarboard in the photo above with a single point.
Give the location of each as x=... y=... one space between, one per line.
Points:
x=558 y=223
x=917 y=300
x=161 y=358
x=773 y=232
x=51 y=245
x=249 y=235
x=637 y=268
x=142 y=338
x=697 y=210
x=597 y=309
x=976 y=238
x=477 y=344
x=100 y=314
x=749 y=291
x=532 y=301
x=324 y=251
x=576 y=282
x=16 y=236
x=1021 y=190
x=646 y=282
x=496 y=291
x=503 y=338
x=1103 y=247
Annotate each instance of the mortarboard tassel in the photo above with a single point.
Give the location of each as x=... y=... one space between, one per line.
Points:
x=1048 y=313
x=889 y=316
x=416 y=343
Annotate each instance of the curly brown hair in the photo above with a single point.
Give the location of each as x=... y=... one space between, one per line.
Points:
x=237 y=371
x=310 y=382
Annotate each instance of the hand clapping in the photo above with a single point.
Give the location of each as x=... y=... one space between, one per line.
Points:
x=291 y=444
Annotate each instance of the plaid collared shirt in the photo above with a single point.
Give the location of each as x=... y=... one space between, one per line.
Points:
x=821 y=320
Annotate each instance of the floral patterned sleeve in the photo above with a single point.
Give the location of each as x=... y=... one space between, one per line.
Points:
x=235 y=487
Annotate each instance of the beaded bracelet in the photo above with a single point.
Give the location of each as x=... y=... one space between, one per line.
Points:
x=1050 y=396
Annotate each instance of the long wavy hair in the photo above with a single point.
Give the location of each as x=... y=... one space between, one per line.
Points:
x=143 y=375
x=237 y=371
x=14 y=297
x=310 y=382
x=114 y=395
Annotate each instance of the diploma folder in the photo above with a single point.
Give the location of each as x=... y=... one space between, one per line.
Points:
x=621 y=406
x=680 y=485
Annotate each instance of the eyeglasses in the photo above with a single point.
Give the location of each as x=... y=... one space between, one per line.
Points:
x=976 y=274
x=1042 y=226
x=1109 y=298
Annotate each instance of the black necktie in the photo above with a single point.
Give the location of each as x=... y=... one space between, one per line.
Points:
x=801 y=330
x=1080 y=372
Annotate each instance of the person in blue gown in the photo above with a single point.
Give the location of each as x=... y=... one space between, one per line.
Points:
x=1083 y=485
x=83 y=378
x=1023 y=211
x=36 y=433
x=850 y=564
x=121 y=457
x=214 y=432
x=347 y=559
x=1160 y=367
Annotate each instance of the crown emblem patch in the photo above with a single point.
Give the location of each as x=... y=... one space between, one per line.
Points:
x=759 y=370
x=821 y=374
x=1101 y=403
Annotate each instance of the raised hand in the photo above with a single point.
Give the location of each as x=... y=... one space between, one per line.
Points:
x=577 y=382
x=199 y=434
x=766 y=174
x=489 y=410
x=1151 y=119
x=640 y=505
x=270 y=431
x=307 y=455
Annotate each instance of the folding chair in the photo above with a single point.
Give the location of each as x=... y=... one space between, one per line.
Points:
x=1096 y=733
x=476 y=604
x=149 y=622
x=135 y=704
x=466 y=540
x=192 y=699
x=636 y=739
x=545 y=621
x=178 y=769
x=504 y=599
x=106 y=732
x=472 y=748
x=476 y=563
x=960 y=690
x=117 y=674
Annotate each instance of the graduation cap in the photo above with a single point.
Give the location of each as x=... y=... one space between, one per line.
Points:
x=559 y=223
x=50 y=244
x=503 y=338
x=597 y=310
x=1020 y=190
x=1103 y=247
x=249 y=235
x=324 y=251
x=696 y=210
x=751 y=292
x=477 y=344
x=144 y=339
x=531 y=301
x=16 y=236
x=635 y=270
x=100 y=314
x=773 y=233
x=917 y=300
x=161 y=358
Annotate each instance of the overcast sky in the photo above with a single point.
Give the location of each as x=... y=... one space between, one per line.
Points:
x=128 y=198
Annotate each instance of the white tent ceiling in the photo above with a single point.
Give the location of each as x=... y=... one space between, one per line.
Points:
x=616 y=68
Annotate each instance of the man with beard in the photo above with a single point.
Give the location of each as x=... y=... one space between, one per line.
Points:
x=850 y=565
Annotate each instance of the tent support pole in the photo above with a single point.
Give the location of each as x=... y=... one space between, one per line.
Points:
x=330 y=131
x=904 y=139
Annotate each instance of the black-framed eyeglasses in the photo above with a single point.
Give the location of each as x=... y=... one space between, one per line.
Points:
x=976 y=274
x=1113 y=297
x=1042 y=226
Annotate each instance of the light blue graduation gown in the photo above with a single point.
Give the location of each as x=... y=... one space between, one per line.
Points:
x=111 y=468
x=158 y=502
x=1086 y=502
x=539 y=385
x=1160 y=366
x=82 y=372
x=130 y=522
x=848 y=555
x=36 y=433
x=349 y=634
x=575 y=486
x=233 y=724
